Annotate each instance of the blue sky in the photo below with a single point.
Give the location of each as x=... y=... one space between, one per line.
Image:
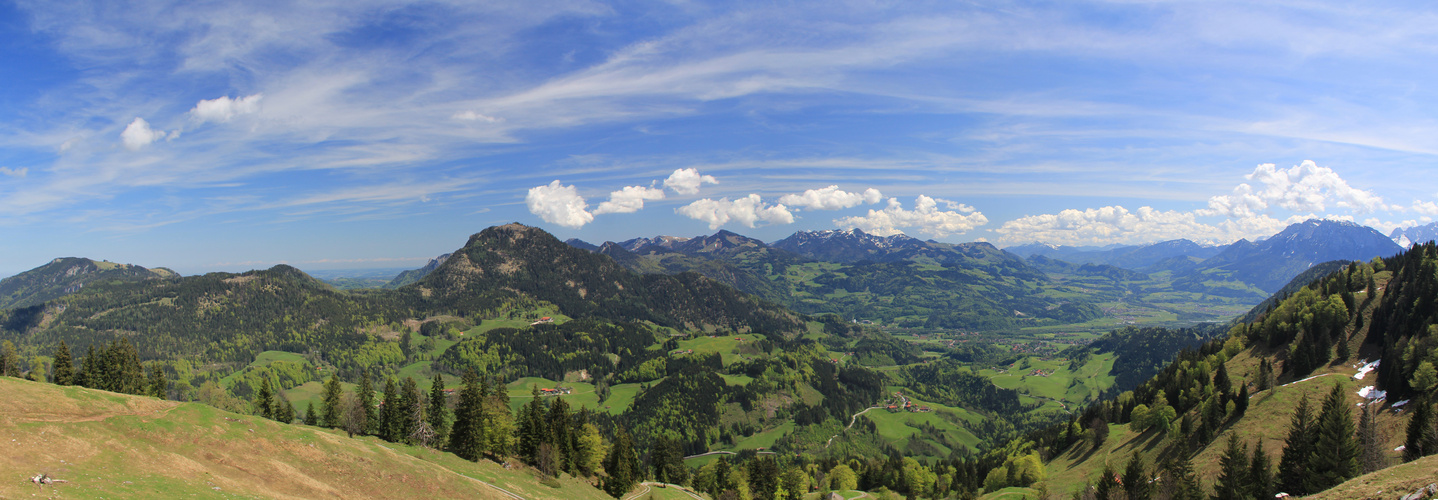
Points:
x=227 y=136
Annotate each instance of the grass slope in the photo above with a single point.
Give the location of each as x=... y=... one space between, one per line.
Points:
x=116 y=446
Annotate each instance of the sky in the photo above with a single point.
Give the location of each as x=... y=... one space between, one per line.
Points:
x=226 y=136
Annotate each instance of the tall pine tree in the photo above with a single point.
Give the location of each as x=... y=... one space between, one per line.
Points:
x=1335 y=451
x=366 y=397
x=333 y=404
x=1232 y=482
x=466 y=438
x=622 y=465
x=1419 y=441
x=1293 y=465
x=64 y=366
x=389 y=418
x=439 y=409
x=1260 y=473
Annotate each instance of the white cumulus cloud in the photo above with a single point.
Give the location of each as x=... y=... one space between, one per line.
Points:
x=747 y=211
x=559 y=204
x=831 y=198
x=628 y=200
x=138 y=134
x=925 y=218
x=1306 y=187
x=224 y=108
x=1105 y=225
x=688 y=180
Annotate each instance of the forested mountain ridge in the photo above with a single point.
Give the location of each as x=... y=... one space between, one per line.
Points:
x=907 y=282
x=67 y=275
x=514 y=258
x=1195 y=421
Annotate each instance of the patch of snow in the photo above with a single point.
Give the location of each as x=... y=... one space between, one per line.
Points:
x=1371 y=393
x=1362 y=372
x=1401 y=448
x=1400 y=403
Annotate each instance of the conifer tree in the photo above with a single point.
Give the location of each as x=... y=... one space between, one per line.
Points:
x=1232 y=482
x=366 y=397
x=333 y=404
x=466 y=438
x=532 y=427
x=561 y=434
x=284 y=410
x=1180 y=482
x=1335 y=451
x=621 y=465
x=389 y=418
x=1107 y=485
x=1419 y=440
x=88 y=375
x=439 y=409
x=1260 y=473
x=409 y=399
x=1221 y=383
x=1293 y=465
x=310 y=417
x=64 y=367
x=157 y=386
x=1240 y=402
x=1135 y=479
x=265 y=399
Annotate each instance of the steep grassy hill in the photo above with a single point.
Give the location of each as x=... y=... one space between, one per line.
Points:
x=115 y=446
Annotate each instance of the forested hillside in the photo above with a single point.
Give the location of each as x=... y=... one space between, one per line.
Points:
x=1206 y=423
x=68 y=275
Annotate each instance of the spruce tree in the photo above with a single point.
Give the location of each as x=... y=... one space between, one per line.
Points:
x=1221 y=383
x=1335 y=452
x=366 y=397
x=409 y=399
x=1240 y=402
x=157 y=386
x=64 y=367
x=265 y=399
x=533 y=428
x=389 y=418
x=310 y=417
x=1260 y=473
x=333 y=404
x=622 y=465
x=439 y=409
x=1232 y=482
x=466 y=438
x=1419 y=442
x=88 y=375
x=561 y=434
x=284 y=410
x=1293 y=465
x=1107 y=485
x=1135 y=479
